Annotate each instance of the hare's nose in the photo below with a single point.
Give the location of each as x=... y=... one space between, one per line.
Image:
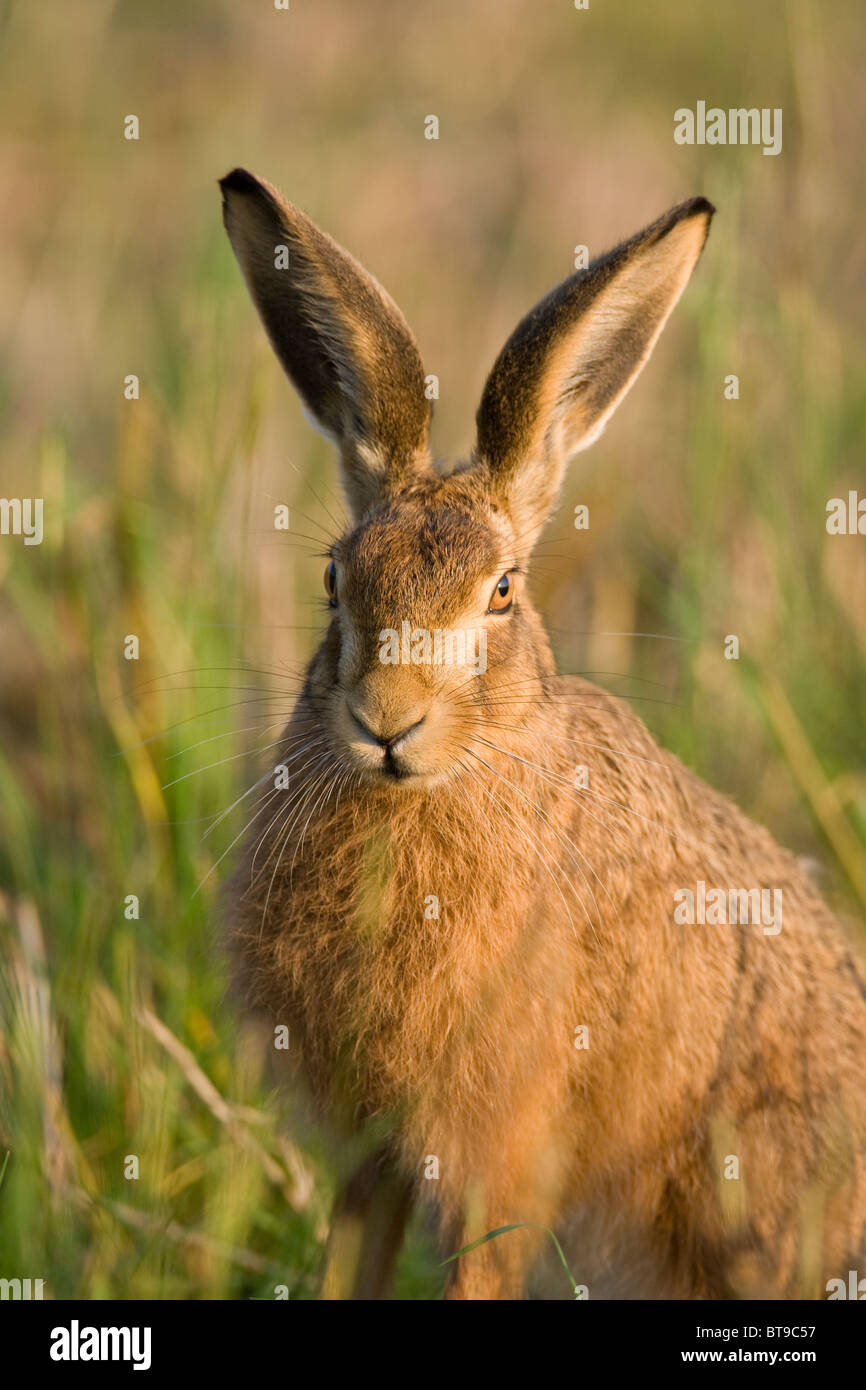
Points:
x=383 y=736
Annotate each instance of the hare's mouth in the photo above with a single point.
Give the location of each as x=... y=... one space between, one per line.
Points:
x=385 y=755
x=394 y=769
x=387 y=766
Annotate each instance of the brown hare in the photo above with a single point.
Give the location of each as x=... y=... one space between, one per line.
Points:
x=520 y=981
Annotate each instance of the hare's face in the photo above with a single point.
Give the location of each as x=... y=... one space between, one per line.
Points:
x=433 y=636
x=433 y=639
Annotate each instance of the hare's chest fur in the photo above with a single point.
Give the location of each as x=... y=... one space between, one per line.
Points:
x=405 y=953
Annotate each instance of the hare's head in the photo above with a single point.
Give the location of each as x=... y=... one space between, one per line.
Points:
x=433 y=639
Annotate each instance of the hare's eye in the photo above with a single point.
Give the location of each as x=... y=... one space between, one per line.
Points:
x=331 y=583
x=503 y=595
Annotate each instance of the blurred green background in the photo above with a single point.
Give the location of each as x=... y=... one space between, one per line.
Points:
x=707 y=516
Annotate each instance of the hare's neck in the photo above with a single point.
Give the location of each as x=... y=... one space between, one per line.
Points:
x=414 y=913
x=458 y=859
x=394 y=920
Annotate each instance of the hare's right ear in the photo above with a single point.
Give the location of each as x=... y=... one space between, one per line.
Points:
x=569 y=363
x=340 y=337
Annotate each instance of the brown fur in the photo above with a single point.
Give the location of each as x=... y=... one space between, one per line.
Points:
x=455 y=1035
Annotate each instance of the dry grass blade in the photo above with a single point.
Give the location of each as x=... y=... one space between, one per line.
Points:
x=294 y=1180
x=40 y=1039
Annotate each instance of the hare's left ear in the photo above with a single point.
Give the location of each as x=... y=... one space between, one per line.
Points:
x=569 y=363
x=342 y=340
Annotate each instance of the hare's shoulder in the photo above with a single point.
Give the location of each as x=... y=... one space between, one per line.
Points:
x=603 y=733
x=580 y=707
x=656 y=791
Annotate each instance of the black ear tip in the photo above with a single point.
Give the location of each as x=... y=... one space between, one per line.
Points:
x=684 y=212
x=701 y=204
x=239 y=181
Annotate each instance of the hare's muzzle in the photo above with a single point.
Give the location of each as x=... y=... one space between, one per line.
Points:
x=379 y=735
x=387 y=726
